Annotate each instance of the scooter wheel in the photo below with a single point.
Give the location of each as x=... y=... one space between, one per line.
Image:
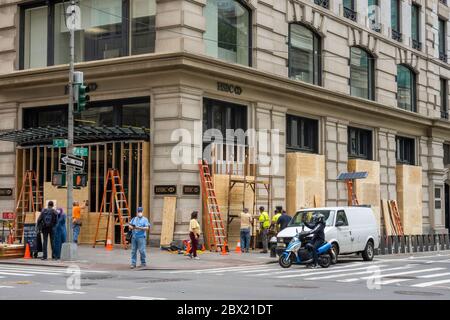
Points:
x=285 y=261
x=325 y=260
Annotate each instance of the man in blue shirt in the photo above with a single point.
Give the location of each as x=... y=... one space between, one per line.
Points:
x=139 y=225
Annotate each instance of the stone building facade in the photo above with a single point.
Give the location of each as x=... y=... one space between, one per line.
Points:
x=285 y=73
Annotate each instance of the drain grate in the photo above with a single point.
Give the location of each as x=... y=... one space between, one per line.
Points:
x=418 y=293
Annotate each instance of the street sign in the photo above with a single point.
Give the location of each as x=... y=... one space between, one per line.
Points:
x=60 y=143
x=81 y=152
x=72 y=161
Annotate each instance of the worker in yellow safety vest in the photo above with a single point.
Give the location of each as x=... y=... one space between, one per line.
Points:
x=275 y=220
x=265 y=225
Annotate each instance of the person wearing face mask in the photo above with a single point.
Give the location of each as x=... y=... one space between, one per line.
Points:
x=139 y=225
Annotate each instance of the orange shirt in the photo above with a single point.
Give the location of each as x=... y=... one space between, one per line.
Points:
x=76 y=212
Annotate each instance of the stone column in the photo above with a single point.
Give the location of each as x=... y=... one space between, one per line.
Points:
x=176 y=134
x=388 y=163
x=8 y=121
x=336 y=156
x=8 y=36
x=180 y=25
x=436 y=189
x=270 y=125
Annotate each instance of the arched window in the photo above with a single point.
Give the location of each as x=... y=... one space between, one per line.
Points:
x=406 y=88
x=361 y=74
x=304 y=54
x=228 y=31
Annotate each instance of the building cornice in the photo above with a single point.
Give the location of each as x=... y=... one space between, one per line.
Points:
x=204 y=65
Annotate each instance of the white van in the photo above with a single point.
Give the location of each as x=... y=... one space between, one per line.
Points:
x=349 y=229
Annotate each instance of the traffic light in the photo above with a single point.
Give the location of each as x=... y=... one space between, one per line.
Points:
x=82 y=97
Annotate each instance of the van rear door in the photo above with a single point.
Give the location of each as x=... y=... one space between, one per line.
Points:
x=343 y=232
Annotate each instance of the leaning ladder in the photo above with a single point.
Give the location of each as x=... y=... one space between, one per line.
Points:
x=216 y=231
x=117 y=208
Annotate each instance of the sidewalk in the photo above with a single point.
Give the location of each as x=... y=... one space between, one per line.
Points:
x=157 y=259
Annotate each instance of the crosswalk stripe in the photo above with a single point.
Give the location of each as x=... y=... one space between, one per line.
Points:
x=24 y=269
x=348 y=280
x=30 y=272
x=284 y=271
x=384 y=282
x=139 y=298
x=45 y=269
x=6 y=287
x=354 y=273
x=432 y=283
x=62 y=292
x=226 y=269
x=401 y=273
x=15 y=274
x=311 y=272
x=435 y=275
x=259 y=270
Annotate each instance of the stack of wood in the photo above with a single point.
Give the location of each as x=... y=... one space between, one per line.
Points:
x=391 y=216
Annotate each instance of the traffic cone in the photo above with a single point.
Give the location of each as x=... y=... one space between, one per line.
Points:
x=203 y=247
x=188 y=247
x=109 y=245
x=27 y=252
x=224 y=250
x=238 y=248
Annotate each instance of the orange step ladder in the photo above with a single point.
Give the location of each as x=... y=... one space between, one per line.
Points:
x=216 y=231
x=117 y=208
x=29 y=201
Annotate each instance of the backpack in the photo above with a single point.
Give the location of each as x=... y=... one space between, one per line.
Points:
x=47 y=220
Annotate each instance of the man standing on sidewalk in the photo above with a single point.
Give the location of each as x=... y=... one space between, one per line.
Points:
x=46 y=222
x=139 y=225
x=265 y=225
x=246 y=227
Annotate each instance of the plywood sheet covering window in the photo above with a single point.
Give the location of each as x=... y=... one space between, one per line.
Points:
x=368 y=190
x=305 y=181
x=409 y=198
x=236 y=204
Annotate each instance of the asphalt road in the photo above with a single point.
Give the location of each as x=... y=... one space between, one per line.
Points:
x=422 y=276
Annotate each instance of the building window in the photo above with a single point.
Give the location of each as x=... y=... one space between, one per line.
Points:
x=361 y=74
x=35 y=37
x=442 y=40
x=415 y=27
x=405 y=152
x=446 y=154
x=228 y=31
x=302 y=134
x=374 y=15
x=349 y=10
x=304 y=54
x=323 y=3
x=444 y=98
x=395 y=20
x=359 y=143
x=109 y=29
x=406 y=88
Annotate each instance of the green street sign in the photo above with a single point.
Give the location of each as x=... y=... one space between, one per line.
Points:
x=60 y=143
x=81 y=152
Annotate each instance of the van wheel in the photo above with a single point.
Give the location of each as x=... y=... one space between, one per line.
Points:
x=334 y=253
x=369 y=251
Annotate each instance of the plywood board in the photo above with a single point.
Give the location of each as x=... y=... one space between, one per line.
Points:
x=409 y=198
x=368 y=190
x=387 y=218
x=305 y=181
x=168 y=220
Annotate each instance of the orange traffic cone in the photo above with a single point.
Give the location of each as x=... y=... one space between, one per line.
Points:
x=238 y=248
x=224 y=250
x=188 y=248
x=109 y=245
x=203 y=247
x=27 y=252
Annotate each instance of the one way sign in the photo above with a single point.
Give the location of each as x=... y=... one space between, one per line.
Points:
x=72 y=161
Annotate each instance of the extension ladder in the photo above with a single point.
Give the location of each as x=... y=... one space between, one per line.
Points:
x=216 y=231
x=117 y=208
x=396 y=218
x=29 y=201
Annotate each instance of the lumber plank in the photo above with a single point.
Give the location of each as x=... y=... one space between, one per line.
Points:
x=168 y=220
x=387 y=218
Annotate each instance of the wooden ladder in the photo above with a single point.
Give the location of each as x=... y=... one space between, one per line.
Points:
x=216 y=231
x=117 y=208
x=396 y=218
x=29 y=201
